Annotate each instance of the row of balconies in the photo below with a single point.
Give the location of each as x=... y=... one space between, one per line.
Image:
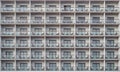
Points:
x=63 y=56
x=55 y=9
x=115 y=45
x=60 y=21
x=57 y=33
x=63 y=68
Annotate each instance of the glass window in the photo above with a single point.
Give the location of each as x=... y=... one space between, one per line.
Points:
x=9 y=6
x=23 y=29
x=37 y=6
x=110 y=19
x=52 y=65
x=66 y=53
x=110 y=29
x=8 y=29
x=110 y=7
x=67 y=18
x=23 y=41
x=9 y=65
x=110 y=66
x=67 y=42
x=81 y=53
x=96 y=29
x=96 y=7
x=81 y=7
x=38 y=41
x=81 y=65
x=52 y=18
x=38 y=18
x=67 y=29
x=52 y=30
x=67 y=7
x=81 y=29
x=8 y=18
x=95 y=41
x=52 y=41
x=81 y=19
x=8 y=41
x=52 y=53
x=37 y=29
x=110 y=53
x=66 y=65
x=95 y=65
x=95 y=53
x=37 y=65
x=23 y=54
x=81 y=41
x=52 y=6
x=23 y=6
x=23 y=65
x=110 y=42
x=96 y=19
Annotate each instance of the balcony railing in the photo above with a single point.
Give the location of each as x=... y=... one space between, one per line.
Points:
x=96 y=57
x=37 y=68
x=8 y=9
x=112 y=45
x=82 y=9
x=11 y=56
x=115 y=9
x=96 y=45
x=52 y=68
x=37 y=21
x=52 y=33
x=96 y=68
x=111 y=57
x=111 y=33
x=22 y=45
x=51 y=56
x=7 y=21
x=53 y=45
x=66 y=45
x=70 y=68
x=67 y=33
x=96 y=9
x=22 y=21
x=33 y=56
x=112 y=21
x=52 y=21
x=82 y=33
x=81 y=45
x=110 y=68
x=97 y=21
x=7 y=68
x=20 y=68
x=8 y=45
x=96 y=33
x=79 y=68
x=66 y=56
x=23 y=33
x=82 y=21
x=25 y=56
x=66 y=21
x=35 y=9
x=37 y=33
x=22 y=9
x=7 y=33
x=37 y=45
x=54 y=9
x=82 y=57
x=67 y=9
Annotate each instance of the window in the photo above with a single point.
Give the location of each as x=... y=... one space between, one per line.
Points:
x=110 y=19
x=81 y=53
x=110 y=54
x=81 y=29
x=52 y=65
x=67 y=7
x=110 y=66
x=38 y=18
x=52 y=6
x=81 y=41
x=23 y=18
x=9 y=6
x=52 y=30
x=81 y=7
x=67 y=18
x=110 y=29
x=8 y=29
x=37 y=29
x=110 y=42
x=52 y=53
x=67 y=42
x=67 y=29
x=37 y=53
x=110 y=7
x=96 y=7
x=8 y=18
x=38 y=65
x=81 y=19
x=52 y=41
x=23 y=54
x=52 y=18
x=96 y=53
x=37 y=6
x=95 y=41
x=96 y=19
x=9 y=66
x=23 y=6
x=95 y=66
x=8 y=53
x=8 y=41
x=23 y=66
x=38 y=41
x=23 y=29
x=81 y=65
x=96 y=29
x=66 y=65
x=66 y=53
x=23 y=41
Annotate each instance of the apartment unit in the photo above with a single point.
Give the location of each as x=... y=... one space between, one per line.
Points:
x=60 y=35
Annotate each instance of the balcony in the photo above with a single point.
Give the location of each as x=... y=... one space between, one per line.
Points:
x=22 y=21
x=111 y=33
x=82 y=57
x=37 y=45
x=25 y=56
x=96 y=57
x=66 y=56
x=97 y=45
x=7 y=68
x=67 y=33
x=82 y=68
x=66 y=45
x=66 y=21
x=34 y=9
x=96 y=33
x=22 y=9
x=67 y=68
x=37 y=68
x=11 y=56
x=22 y=45
x=53 y=45
x=54 y=9
x=52 y=33
x=48 y=56
x=8 y=45
x=96 y=9
x=115 y=9
x=97 y=21
x=96 y=68
x=22 y=33
x=7 y=9
x=52 y=21
x=22 y=68
x=7 y=33
x=36 y=21
x=81 y=45
x=82 y=21
x=82 y=33
x=111 y=57
x=52 y=69
x=7 y=21
x=112 y=45
x=39 y=56
x=82 y=9
x=112 y=21
x=67 y=9
x=110 y=68
x=37 y=33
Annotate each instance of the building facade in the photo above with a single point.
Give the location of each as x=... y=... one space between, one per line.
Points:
x=60 y=35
